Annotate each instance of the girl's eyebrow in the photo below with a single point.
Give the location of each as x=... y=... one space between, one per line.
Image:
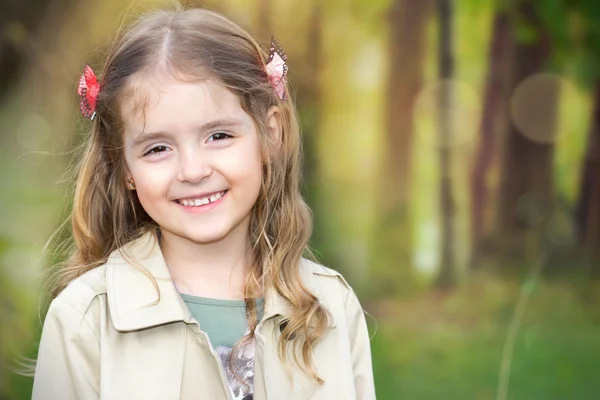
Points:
x=208 y=126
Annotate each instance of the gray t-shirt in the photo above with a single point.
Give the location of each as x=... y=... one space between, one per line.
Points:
x=225 y=323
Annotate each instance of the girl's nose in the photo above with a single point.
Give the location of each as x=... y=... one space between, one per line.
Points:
x=193 y=167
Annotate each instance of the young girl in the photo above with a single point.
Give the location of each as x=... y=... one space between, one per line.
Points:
x=187 y=279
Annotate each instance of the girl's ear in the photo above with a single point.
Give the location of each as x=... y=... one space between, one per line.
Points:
x=129 y=182
x=275 y=125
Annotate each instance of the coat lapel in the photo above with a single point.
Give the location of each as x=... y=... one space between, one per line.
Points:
x=271 y=380
x=135 y=301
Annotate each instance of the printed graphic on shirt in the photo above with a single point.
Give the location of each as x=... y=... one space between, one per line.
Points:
x=243 y=365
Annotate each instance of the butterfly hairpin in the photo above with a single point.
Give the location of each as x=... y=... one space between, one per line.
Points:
x=87 y=90
x=277 y=68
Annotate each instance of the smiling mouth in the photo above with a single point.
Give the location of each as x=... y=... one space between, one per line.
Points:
x=201 y=201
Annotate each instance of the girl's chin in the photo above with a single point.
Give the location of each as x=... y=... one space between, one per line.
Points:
x=196 y=236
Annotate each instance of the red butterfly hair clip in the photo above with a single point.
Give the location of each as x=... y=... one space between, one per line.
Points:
x=88 y=92
x=277 y=68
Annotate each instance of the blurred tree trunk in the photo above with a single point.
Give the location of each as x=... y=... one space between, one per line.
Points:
x=588 y=205
x=308 y=103
x=447 y=275
x=494 y=109
x=407 y=23
x=19 y=23
x=264 y=29
x=526 y=181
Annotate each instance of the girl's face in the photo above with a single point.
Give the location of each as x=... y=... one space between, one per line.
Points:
x=194 y=155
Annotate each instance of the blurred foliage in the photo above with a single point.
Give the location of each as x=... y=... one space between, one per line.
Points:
x=19 y=21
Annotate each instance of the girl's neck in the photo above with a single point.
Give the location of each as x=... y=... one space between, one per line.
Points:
x=214 y=270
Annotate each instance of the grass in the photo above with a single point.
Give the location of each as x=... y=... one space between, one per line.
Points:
x=450 y=345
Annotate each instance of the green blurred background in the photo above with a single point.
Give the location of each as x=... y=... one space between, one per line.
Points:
x=453 y=166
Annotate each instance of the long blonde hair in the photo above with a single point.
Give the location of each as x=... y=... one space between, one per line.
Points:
x=105 y=215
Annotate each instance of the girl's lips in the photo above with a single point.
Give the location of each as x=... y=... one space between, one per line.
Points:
x=204 y=207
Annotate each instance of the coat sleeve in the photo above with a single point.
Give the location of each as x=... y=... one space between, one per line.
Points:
x=360 y=348
x=68 y=362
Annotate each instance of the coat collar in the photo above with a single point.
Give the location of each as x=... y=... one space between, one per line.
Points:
x=134 y=300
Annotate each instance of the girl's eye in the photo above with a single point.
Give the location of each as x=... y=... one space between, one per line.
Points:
x=156 y=150
x=218 y=136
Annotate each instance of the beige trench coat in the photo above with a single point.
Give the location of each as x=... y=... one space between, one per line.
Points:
x=106 y=337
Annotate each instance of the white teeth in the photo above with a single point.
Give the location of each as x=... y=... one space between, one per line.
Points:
x=202 y=201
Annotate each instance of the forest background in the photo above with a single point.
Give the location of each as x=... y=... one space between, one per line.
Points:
x=452 y=164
